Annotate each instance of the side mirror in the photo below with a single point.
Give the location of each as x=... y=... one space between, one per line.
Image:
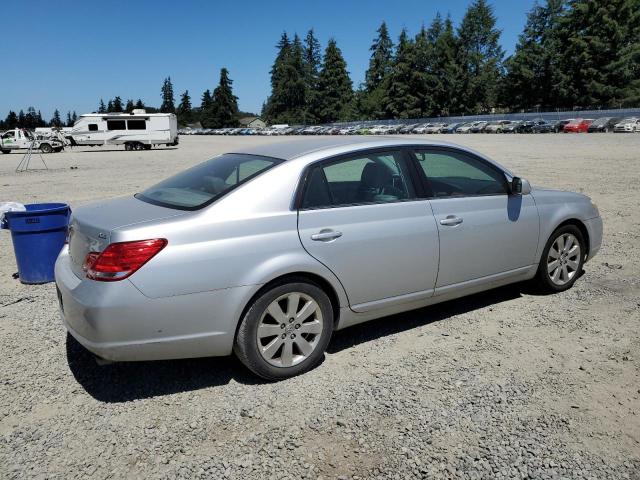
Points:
x=520 y=186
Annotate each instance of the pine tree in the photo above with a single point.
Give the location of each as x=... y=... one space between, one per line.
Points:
x=381 y=60
x=139 y=105
x=480 y=57
x=335 y=89
x=597 y=37
x=532 y=69
x=448 y=99
x=117 y=105
x=401 y=99
x=101 y=107
x=129 y=108
x=168 y=101
x=39 y=122
x=56 y=121
x=69 y=122
x=110 y=106
x=74 y=119
x=21 y=120
x=224 y=105
x=184 y=111
x=312 y=63
x=11 y=121
x=276 y=107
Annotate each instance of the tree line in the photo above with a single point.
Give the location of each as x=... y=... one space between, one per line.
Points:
x=33 y=119
x=572 y=54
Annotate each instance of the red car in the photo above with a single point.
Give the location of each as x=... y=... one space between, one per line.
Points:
x=579 y=125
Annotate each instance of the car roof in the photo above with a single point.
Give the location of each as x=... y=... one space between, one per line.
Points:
x=293 y=148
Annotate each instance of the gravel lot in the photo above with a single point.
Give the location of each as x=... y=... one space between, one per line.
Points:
x=504 y=384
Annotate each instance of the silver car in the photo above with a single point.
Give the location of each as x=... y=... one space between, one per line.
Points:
x=267 y=251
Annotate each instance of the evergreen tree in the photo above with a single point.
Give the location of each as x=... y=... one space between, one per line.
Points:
x=276 y=107
x=598 y=64
x=381 y=60
x=224 y=107
x=424 y=81
x=74 y=119
x=39 y=120
x=312 y=63
x=139 y=105
x=448 y=70
x=184 y=112
x=101 y=107
x=401 y=99
x=11 y=121
x=168 y=101
x=129 y=108
x=56 y=121
x=110 y=106
x=335 y=89
x=532 y=69
x=33 y=119
x=205 y=103
x=69 y=122
x=21 y=119
x=480 y=57
x=117 y=105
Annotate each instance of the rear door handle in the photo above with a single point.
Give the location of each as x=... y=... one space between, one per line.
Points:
x=326 y=235
x=451 y=221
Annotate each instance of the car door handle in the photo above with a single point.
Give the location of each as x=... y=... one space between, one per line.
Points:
x=451 y=221
x=325 y=235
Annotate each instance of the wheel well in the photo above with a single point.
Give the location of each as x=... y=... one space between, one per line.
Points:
x=583 y=230
x=298 y=276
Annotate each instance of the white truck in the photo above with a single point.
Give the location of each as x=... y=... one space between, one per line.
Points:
x=137 y=130
x=20 y=139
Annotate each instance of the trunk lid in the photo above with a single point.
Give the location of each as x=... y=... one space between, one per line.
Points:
x=91 y=225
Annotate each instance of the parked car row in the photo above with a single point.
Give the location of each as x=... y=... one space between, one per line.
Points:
x=539 y=125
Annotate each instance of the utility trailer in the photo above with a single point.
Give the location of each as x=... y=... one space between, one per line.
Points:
x=137 y=130
x=21 y=139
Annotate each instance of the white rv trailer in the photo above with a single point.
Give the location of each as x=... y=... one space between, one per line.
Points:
x=136 y=130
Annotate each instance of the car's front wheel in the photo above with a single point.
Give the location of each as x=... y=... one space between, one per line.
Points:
x=562 y=259
x=285 y=330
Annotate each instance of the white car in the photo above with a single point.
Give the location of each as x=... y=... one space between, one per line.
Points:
x=628 y=125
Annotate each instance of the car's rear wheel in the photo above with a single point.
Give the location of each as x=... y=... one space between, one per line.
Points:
x=285 y=330
x=46 y=148
x=562 y=259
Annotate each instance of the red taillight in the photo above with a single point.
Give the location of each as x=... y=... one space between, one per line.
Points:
x=120 y=260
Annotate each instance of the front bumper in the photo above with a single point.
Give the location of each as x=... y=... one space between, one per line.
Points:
x=115 y=321
x=594 y=227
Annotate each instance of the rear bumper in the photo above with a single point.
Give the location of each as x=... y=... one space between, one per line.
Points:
x=594 y=227
x=115 y=321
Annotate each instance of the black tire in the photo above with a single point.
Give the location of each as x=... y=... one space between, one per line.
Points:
x=246 y=342
x=147 y=147
x=5 y=151
x=46 y=148
x=128 y=146
x=543 y=277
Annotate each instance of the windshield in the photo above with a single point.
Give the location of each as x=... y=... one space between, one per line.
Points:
x=203 y=184
x=628 y=120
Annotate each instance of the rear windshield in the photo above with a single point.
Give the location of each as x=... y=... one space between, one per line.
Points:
x=205 y=183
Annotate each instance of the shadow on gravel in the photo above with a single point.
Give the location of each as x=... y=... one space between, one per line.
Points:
x=123 y=382
x=368 y=331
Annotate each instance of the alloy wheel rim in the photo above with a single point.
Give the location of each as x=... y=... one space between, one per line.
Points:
x=563 y=259
x=289 y=329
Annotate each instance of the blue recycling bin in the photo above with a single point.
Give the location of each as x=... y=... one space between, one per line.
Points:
x=38 y=235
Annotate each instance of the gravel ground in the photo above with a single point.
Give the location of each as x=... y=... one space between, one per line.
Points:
x=503 y=384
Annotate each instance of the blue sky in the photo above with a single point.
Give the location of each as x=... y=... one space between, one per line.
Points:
x=68 y=55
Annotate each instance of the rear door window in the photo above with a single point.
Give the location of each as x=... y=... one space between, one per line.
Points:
x=359 y=179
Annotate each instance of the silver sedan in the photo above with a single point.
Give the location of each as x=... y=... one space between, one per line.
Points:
x=266 y=252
